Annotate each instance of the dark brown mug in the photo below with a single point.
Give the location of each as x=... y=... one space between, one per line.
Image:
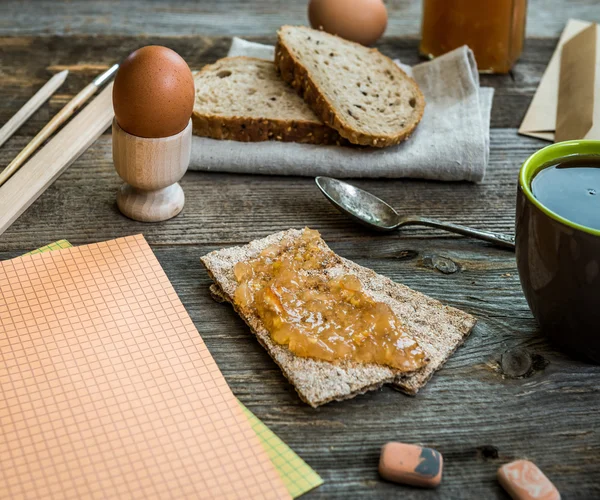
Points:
x=559 y=260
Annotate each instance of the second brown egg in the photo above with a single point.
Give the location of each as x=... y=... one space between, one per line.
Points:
x=362 y=21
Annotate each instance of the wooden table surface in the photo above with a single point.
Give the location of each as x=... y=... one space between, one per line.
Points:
x=505 y=394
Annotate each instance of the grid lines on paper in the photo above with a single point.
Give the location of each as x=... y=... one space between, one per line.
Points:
x=107 y=390
x=57 y=245
x=297 y=475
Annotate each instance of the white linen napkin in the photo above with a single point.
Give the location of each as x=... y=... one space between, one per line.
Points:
x=450 y=144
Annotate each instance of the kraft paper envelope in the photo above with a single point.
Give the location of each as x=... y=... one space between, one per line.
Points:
x=540 y=119
x=578 y=115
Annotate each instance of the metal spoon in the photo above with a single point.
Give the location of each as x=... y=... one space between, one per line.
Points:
x=377 y=214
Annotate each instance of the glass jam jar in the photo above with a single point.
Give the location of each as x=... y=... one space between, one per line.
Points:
x=493 y=29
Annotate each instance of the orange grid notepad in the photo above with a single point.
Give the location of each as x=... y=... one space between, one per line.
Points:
x=107 y=390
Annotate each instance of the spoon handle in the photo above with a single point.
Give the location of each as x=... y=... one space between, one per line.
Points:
x=503 y=240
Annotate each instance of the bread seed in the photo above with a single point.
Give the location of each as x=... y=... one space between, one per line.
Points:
x=330 y=88
x=323 y=382
x=235 y=111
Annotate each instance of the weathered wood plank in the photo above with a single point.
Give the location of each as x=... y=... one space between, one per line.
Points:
x=474 y=411
x=80 y=205
x=232 y=17
x=476 y=416
x=27 y=62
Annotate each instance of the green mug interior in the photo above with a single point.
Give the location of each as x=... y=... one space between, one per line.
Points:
x=551 y=154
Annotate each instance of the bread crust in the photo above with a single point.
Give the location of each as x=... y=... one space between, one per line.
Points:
x=295 y=73
x=257 y=130
x=247 y=129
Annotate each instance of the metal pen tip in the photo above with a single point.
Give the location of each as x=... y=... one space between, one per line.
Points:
x=104 y=77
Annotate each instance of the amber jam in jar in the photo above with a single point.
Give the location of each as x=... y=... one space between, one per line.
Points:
x=307 y=302
x=493 y=29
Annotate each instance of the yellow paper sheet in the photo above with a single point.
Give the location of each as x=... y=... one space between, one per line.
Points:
x=107 y=388
x=57 y=245
x=297 y=475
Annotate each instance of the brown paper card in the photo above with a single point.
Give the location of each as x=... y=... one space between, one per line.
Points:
x=108 y=391
x=540 y=119
x=579 y=90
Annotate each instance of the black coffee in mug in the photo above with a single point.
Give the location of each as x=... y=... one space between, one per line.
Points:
x=558 y=243
x=571 y=189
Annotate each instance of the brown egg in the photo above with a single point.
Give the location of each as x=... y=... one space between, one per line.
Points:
x=362 y=21
x=153 y=95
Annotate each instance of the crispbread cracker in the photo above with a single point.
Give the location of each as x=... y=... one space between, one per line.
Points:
x=439 y=329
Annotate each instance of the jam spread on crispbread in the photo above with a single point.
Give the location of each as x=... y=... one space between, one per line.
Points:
x=321 y=314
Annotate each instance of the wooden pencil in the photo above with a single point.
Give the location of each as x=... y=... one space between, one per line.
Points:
x=61 y=117
x=31 y=106
x=53 y=159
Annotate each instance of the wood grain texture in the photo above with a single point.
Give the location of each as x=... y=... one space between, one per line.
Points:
x=231 y=209
x=505 y=394
x=27 y=184
x=477 y=417
x=29 y=61
x=232 y=17
x=52 y=126
x=151 y=168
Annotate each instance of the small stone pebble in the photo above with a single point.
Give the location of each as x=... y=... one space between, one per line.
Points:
x=523 y=480
x=411 y=464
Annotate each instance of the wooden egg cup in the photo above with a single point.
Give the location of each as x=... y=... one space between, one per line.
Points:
x=151 y=169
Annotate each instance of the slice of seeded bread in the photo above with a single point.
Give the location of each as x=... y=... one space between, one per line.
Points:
x=244 y=99
x=438 y=329
x=358 y=91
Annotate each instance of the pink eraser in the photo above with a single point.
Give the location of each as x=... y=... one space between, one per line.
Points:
x=523 y=480
x=411 y=464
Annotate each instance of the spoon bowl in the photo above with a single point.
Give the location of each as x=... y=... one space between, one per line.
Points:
x=360 y=205
x=375 y=213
